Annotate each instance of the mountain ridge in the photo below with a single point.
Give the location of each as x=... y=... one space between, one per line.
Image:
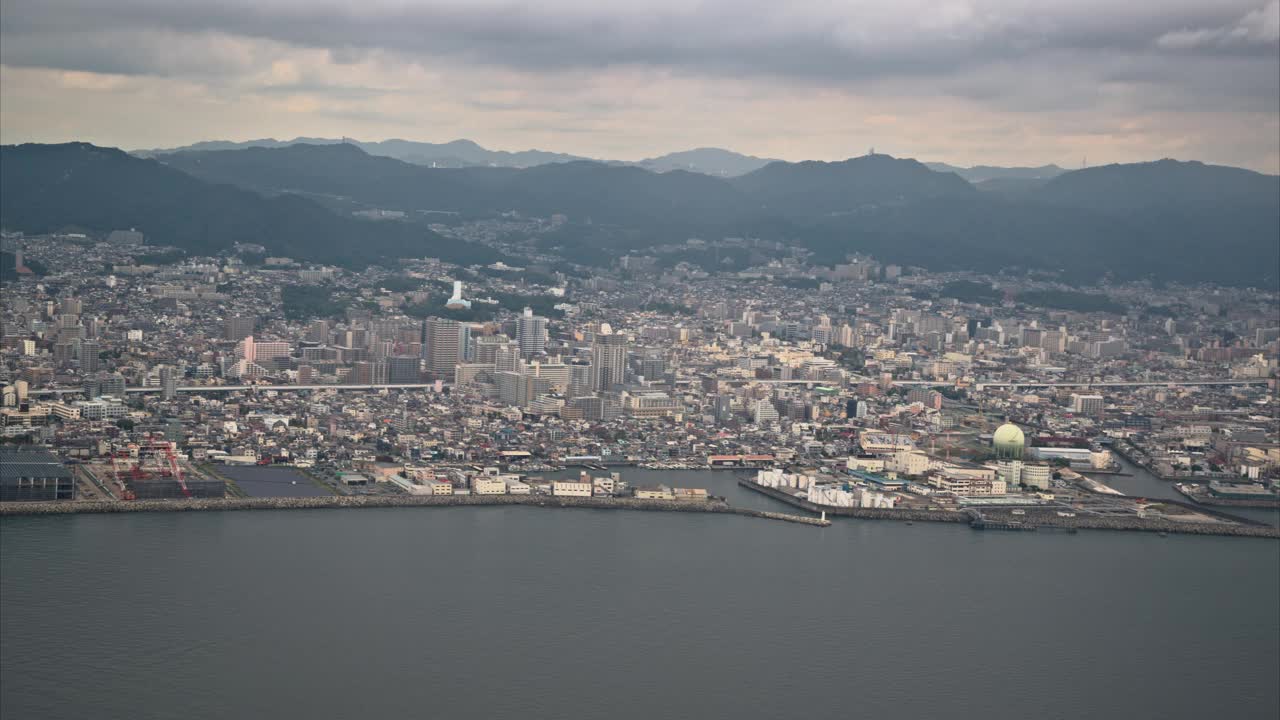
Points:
x=1183 y=221
x=50 y=187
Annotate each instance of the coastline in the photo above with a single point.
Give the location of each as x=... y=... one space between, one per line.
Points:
x=15 y=509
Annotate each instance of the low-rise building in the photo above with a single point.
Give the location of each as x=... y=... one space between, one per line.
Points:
x=570 y=488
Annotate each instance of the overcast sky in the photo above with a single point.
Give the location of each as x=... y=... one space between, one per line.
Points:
x=985 y=81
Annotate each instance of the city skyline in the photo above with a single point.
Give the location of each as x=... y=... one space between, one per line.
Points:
x=968 y=83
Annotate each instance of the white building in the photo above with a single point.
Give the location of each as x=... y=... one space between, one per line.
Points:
x=488 y=486
x=570 y=488
x=765 y=413
x=908 y=462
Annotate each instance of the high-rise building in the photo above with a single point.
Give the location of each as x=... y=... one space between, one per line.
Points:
x=239 y=327
x=487 y=347
x=724 y=408
x=507 y=358
x=531 y=333
x=369 y=372
x=444 y=341
x=823 y=333
x=89 y=350
x=765 y=412
x=63 y=353
x=318 y=332
x=653 y=366
x=168 y=382
x=557 y=374
x=608 y=361
x=579 y=381
x=402 y=369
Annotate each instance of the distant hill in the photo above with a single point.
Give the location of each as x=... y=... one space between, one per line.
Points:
x=48 y=187
x=579 y=189
x=984 y=173
x=1011 y=185
x=604 y=192
x=857 y=184
x=455 y=154
x=466 y=153
x=710 y=161
x=1168 y=220
x=1164 y=184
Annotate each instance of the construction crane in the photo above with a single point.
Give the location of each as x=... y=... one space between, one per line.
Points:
x=116 y=457
x=162 y=453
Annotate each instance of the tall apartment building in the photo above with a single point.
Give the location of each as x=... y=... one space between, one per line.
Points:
x=608 y=362
x=444 y=341
x=239 y=327
x=531 y=333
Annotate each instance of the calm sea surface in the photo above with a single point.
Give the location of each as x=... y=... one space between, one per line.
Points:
x=536 y=613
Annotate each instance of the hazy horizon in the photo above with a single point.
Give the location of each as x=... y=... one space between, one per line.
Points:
x=996 y=82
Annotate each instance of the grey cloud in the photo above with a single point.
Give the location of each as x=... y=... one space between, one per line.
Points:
x=824 y=41
x=1259 y=27
x=1016 y=56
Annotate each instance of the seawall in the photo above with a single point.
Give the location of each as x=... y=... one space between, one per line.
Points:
x=391 y=501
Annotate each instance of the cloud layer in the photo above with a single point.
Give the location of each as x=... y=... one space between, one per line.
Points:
x=1002 y=82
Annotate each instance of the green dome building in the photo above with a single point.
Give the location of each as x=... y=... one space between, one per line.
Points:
x=1008 y=442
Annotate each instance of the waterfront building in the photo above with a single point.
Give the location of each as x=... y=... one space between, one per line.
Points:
x=29 y=474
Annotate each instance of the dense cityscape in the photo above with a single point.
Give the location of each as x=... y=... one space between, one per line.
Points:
x=1005 y=399
x=574 y=360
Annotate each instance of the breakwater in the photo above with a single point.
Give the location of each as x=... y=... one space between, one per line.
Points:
x=392 y=501
x=1230 y=526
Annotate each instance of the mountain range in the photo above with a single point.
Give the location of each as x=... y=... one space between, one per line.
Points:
x=1170 y=220
x=48 y=188
x=466 y=153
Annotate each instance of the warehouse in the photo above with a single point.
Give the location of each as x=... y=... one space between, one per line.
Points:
x=31 y=474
